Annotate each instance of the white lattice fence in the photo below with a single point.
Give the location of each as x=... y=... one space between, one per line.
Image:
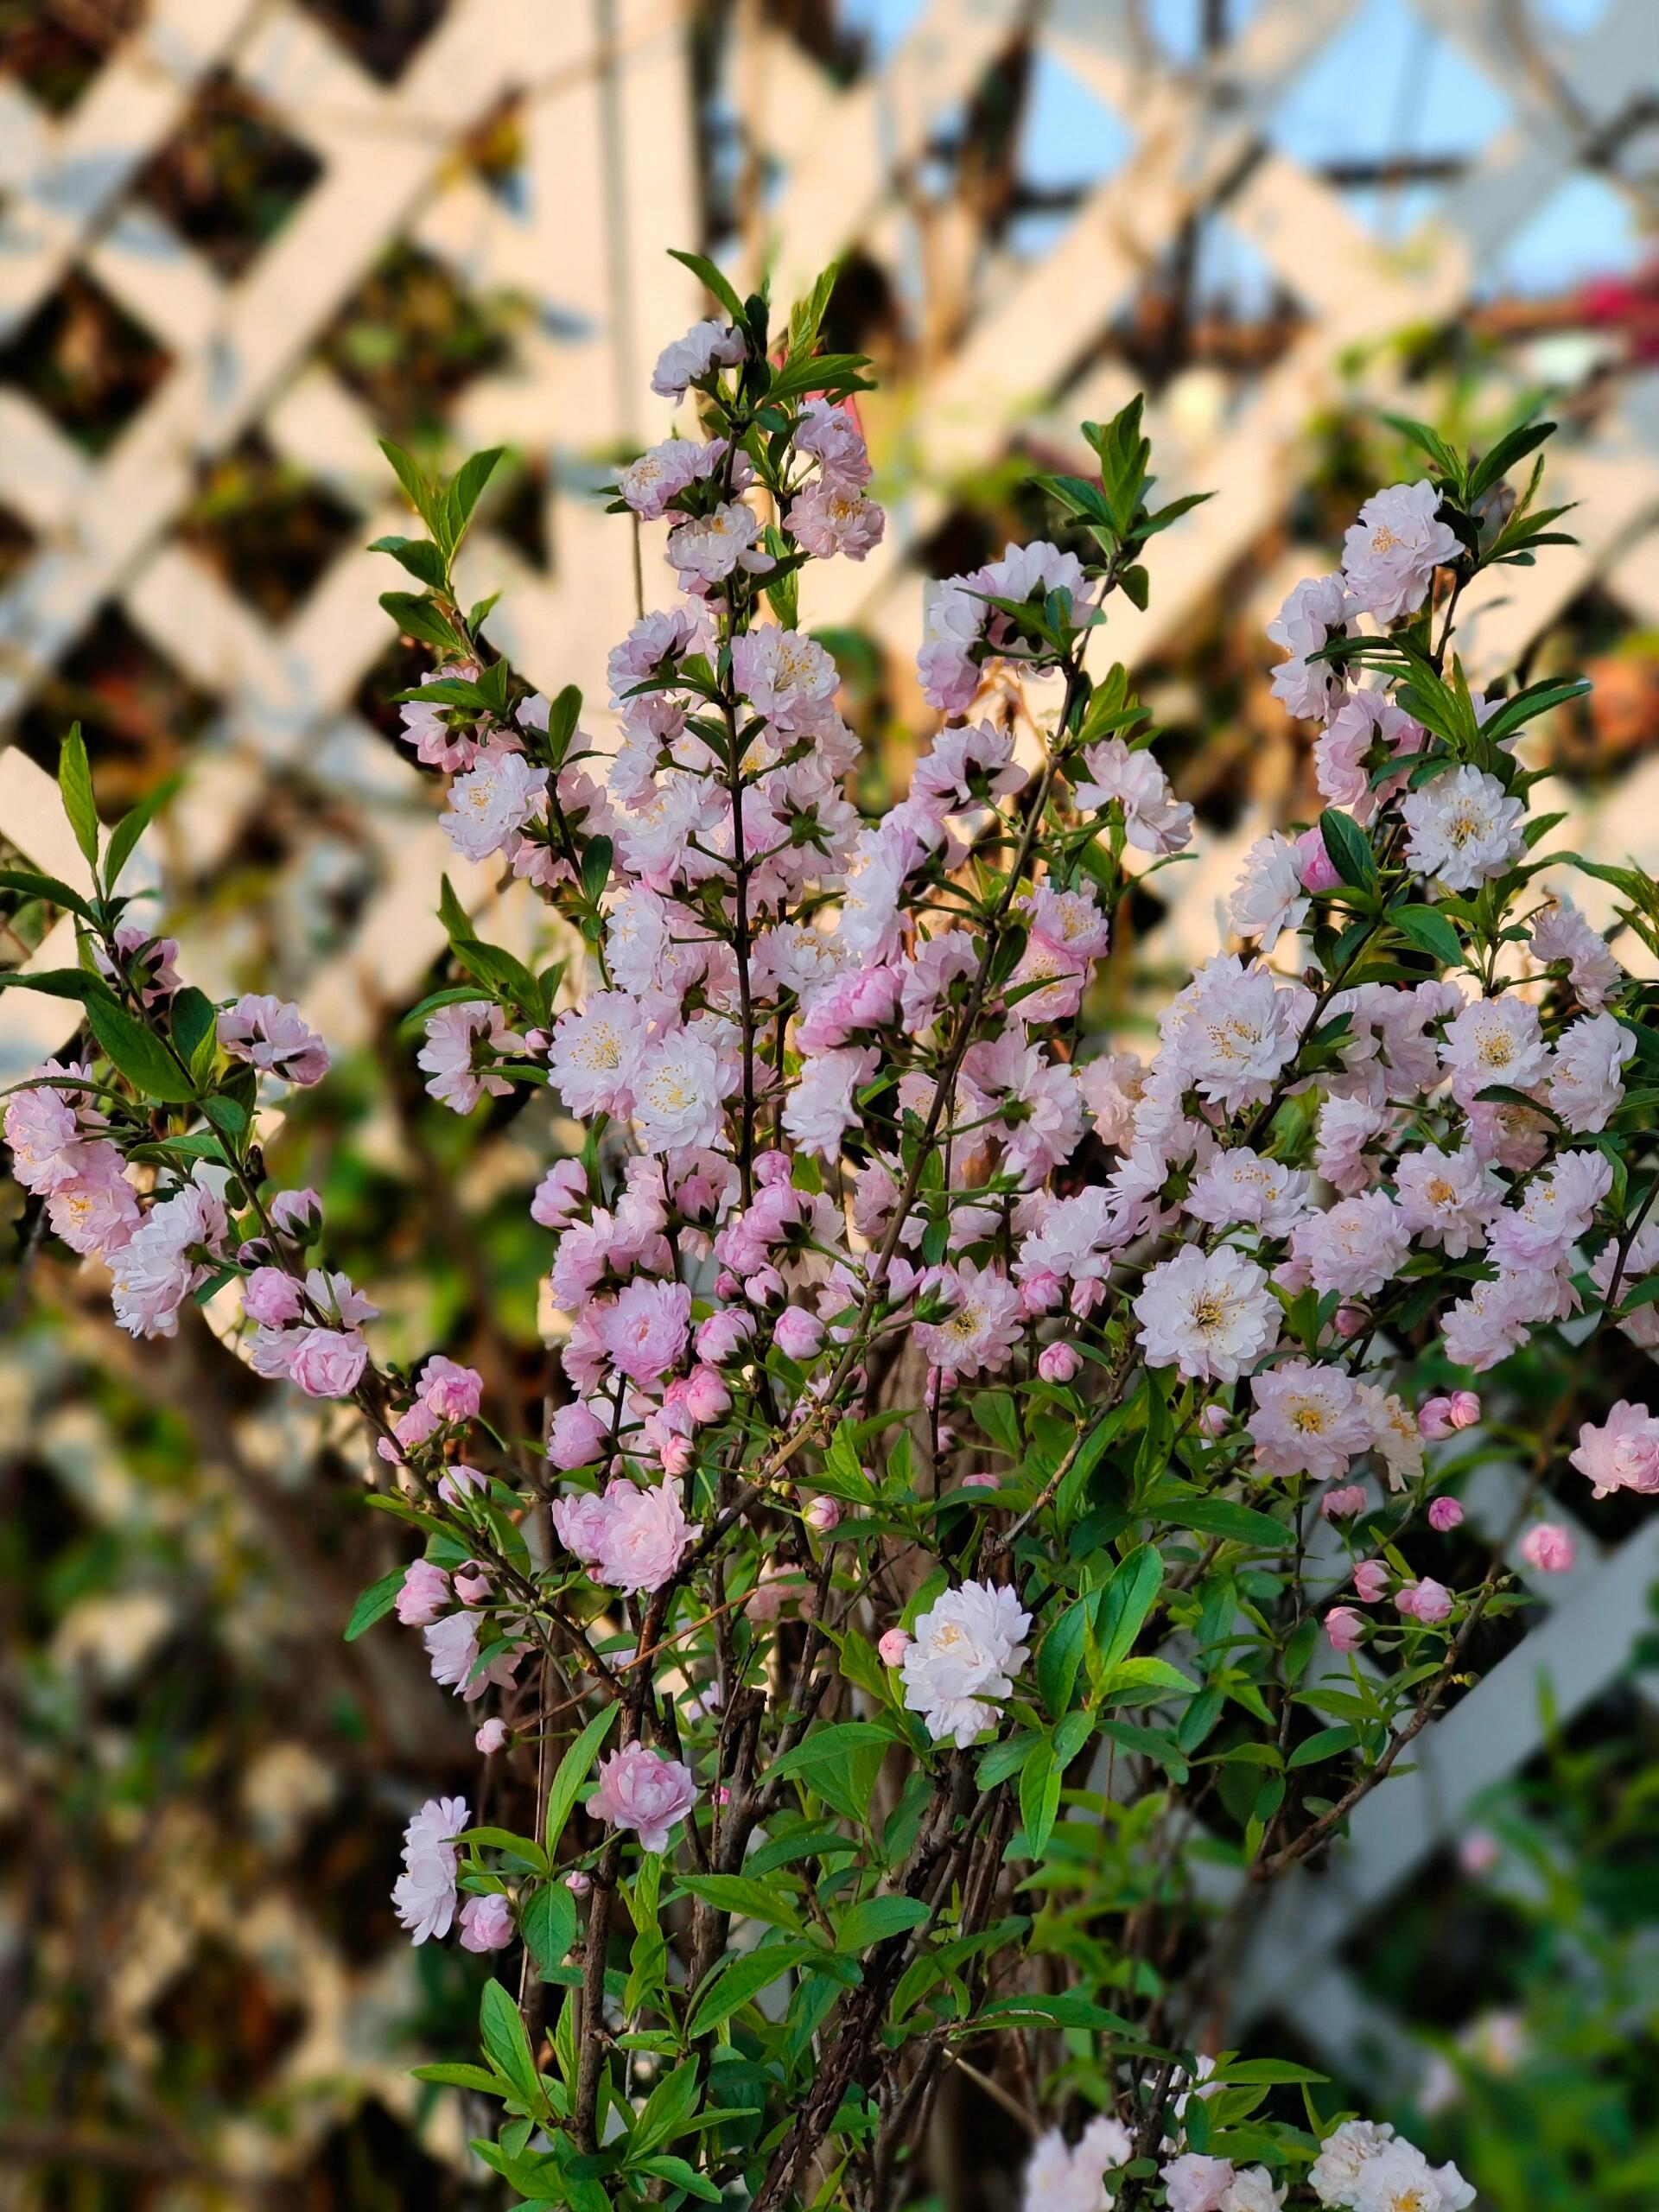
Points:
x=609 y=180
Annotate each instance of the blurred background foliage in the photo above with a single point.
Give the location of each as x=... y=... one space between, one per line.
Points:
x=204 y=2000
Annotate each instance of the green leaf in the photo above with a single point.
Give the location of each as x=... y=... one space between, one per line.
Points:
x=465 y=491
x=420 y=618
x=507 y=2046
x=195 y=1027
x=421 y=496
x=572 y=1772
x=75 y=788
x=376 y=1602
x=742 y=1894
x=834 y=373
x=713 y=283
x=131 y=827
x=1447 y=463
x=831 y=1746
x=548 y=1925
x=666 y=2167
x=145 y=1062
x=52 y=888
x=1428 y=928
x=502 y=971
x=1069 y=2008
x=1348 y=849
x=1222 y=1516
x=1516 y=446
x=453 y=2076
x=1124 y=1604
x=1061 y=1654
x=666 y=2112
x=1324 y=1745
x=877 y=1919
x=1154 y=1677
x=522 y=1847
x=740 y=1977
x=418 y=555
x=596 y=867
x=80 y=983
x=1040 y=1796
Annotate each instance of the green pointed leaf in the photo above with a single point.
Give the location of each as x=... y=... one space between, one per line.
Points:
x=131 y=827
x=713 y=283
x=877 y=1919
x=75 y=788
x=58 y=983
x=376 y=1602
x=740 y=1977
x=142 y=1057
x=418 y=555
x=1429 y=928
x=507 y=2046
x=1348 y=848
x=572 y=1772
x=548 y=1925
x=1124 y=1604
x=52 y=888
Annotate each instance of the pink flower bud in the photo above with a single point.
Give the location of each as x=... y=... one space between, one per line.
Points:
x=270 y=1298
x=1465 y=1409
x=892 y=1647
x=424 y=1594
x=1445 y=1514
x=797 y=1334
x=695 y=1199
x=561 y=1195
x=765 y=1286
x=1058 y=1363
x=1478 y=1853
x=977 y=1482
x=1427 y=1601
x=486 y=1924
x=577 y=1883
x=1344 y=1627
x=576 y=1438
x=472 y=1583
x=1371 y=1581
x=723 y=1336
x=491 y=1736
x=770 y=1167
x=705 y=1396
x=453 y=1392
x=1040 y=1293
x=677 y=1455
x=1315 y=863
x=1547 y=1548
x=297 y=1215
x=1352 y=1320
x=328 y=1363
x=1339 y=1504
x=727 y=1285
x=1434 y=1418
x=822 y=1514
x=1214 y=1421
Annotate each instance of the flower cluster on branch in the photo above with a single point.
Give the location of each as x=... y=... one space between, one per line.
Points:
x=980 y=1469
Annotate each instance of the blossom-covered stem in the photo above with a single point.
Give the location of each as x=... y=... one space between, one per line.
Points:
x=742 y=948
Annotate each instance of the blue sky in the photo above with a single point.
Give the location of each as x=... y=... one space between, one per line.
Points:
x=1389 y=83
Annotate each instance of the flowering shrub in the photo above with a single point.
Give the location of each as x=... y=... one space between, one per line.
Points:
x=981 y=1481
